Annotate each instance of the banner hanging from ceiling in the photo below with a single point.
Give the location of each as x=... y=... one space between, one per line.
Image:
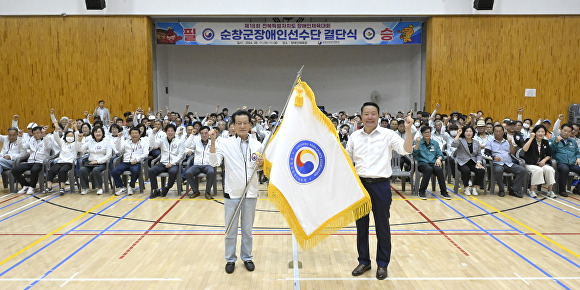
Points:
x=302 y=33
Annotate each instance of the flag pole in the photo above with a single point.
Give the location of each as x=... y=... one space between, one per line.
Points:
x=239 y=206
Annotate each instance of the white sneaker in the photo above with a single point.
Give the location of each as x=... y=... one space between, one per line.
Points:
x=100 y=191
x=24 y=189
x=122 y=190
x=552 y=194
x=30 y=190
x=532 y=193
x=130 y=191
x=84 y=191
x=474 y=191
x=467 y=191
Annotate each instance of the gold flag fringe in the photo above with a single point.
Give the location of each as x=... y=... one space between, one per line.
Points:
x=357 y=210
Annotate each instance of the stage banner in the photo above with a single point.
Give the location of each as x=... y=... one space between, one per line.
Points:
x=302 y=33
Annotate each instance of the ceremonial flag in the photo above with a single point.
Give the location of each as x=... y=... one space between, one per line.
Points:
x=312 y=180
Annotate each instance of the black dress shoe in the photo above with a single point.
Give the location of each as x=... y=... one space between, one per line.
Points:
x=576 y=190
x=501 y=194
x=164 y=191
x=516 y=194
x=382 y=273
x=194 y=195
x=155 y=193
x=249 y=265
x=360 y=269
x=208 y=196
x=230 y=267
x=564 y=194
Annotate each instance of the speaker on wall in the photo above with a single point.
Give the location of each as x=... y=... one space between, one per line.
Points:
x=483 y=4
x=95 y=4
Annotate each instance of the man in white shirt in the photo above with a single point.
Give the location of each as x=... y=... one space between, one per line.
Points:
x=10 y=149
x=38 y=150
x=133 y=151
x=102 y=112
x=200 y=148
x=240 y=155
x=370 y=150
x=172 y=152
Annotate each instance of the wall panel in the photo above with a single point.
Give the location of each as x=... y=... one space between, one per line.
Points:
x=487 y=62
x=69 y=63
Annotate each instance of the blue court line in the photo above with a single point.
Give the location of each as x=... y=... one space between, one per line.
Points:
x=497 y=239
x=524 y=234
x=556 y=207
x=29 y=196
x=568 y=201
x=86 y=244
x=43 y=201
x=288 y=230
x=55 y=240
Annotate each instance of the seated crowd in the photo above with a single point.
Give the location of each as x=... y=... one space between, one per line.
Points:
x=98 y=147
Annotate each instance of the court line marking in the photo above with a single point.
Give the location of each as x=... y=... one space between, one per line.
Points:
x=86 y=244
x=57 y=239
x=530 y=229
x=563 y=199
x=38 y=200
x=497 y=239
x=9 y=199
x=151 y=227
x=432 y=223
x=6 y=195
x=513 y=227
x=29 y=196
x=212 y=233
x=559 y=208
x=436 y=278
x=53 y=232
x=92 y=279
x=72 y=277
x=522 y=278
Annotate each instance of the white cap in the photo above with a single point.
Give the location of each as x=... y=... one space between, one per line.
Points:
x=31 y=125
x=151 y=117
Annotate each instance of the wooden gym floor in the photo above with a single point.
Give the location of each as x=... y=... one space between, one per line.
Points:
x=131 y=242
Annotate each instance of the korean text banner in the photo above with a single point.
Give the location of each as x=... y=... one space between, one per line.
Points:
x=312 y=180
x=322 y=33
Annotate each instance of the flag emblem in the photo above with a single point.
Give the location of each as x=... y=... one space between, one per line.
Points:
x=307 y=161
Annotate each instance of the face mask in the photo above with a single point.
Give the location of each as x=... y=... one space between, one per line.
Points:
x=526 y=125
x=453 y=133
x=417 y=124
x=70 y=139
x=343 y=131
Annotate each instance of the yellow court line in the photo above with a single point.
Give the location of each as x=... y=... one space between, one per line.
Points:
x=53 y=232
x=530 y=229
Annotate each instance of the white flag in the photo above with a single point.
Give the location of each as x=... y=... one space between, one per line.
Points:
x=312 y=180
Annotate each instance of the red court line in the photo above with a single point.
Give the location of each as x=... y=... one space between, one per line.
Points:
x=289 y=234
x=573 y=197
x=431 y=222
x=10 y=199
x=152 y=226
